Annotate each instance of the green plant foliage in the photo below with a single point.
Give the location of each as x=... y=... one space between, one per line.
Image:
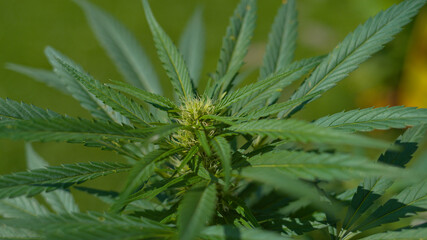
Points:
x=220 y=162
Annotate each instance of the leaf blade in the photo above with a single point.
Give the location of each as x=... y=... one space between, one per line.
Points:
x=122 y=47
x=195 y=210
x=172 y=60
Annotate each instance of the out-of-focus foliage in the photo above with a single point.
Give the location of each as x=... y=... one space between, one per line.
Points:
x=27 y=26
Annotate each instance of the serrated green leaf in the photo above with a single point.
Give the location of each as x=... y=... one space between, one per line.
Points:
x=122 y=47
x=246 y=91
x=172 y=60
x=406 y=234
x=312 y=166
x=162 y=186
x=48 y=179
x=72 y=130
x=235 y=44
x=9 y=233
x=192 y=45
x=189 y=156
x=139 y=174
x=293 y=187
x=21 y=207
x=411 y=200
x=278 y=107
x=282 y=39
x=47 y=77
x=78 y=91
x=203 y=140
x=156 y=100
x=91 y=225
x=357 y=47
x=232 y=233
x=60 y=200
x=297 y=130
x=372 y=188
x=223 y=150
x=12 y=110
x=195 y=211
x=369 y=119
x=110 y=97
x=275 y=86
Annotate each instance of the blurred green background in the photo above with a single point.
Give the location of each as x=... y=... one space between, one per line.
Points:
x=397 y=75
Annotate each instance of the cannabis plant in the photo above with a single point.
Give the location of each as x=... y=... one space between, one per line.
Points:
x=219 y=162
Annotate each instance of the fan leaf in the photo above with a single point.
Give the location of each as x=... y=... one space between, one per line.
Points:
x=369 y=119
x=12 y=110
x=235 y=45
x=195 y=211
x=122 y=47
x=109 y=97
x=232 y=233
x=60 y=200
x=223 y=150
x=282 y=40
x=47 y=77
x=78 y=91
x=301 y=131
x=312 y=166
x=373 y=187
x=357 y=47
x=406 y=234
x=48 y=179
x=172 y=60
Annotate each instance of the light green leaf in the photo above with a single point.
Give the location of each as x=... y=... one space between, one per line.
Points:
x=91 y=226
x=273 y=89
x=48 y=179
x=47 y=77
x=357 y=47
x=301 y=131
x=110 y=97
x=278 y=107
x=223 y=150
x=60 y=200
x=21 y=207
x=9 y=233
x=406 y=234
x=232 y=233
x=192 y=45
x=282 y=39
x=172 y=60
x=123 y=48
x=74 y=130
x=195 y=211
x=11 y=110
x=324 y=166
x=154 y=99
x=78 y=91
x=369 y=119
x=246 y=91
x=235 y=44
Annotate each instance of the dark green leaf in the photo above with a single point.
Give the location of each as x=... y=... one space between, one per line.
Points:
x=195 y=211
x=48 y=179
